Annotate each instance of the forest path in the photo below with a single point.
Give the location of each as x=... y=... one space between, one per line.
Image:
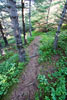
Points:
x=28 y=84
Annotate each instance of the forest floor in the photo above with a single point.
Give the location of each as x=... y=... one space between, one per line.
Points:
x=42 y=61
x=27 y=85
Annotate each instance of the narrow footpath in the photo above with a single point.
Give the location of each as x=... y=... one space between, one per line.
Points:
x=28 y=83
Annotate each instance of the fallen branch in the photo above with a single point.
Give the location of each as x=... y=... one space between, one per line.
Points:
x=34 y=56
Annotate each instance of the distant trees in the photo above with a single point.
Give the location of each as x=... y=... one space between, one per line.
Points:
x=59 y=26
x=43 y=14
x=50 y=1
x=43 y=9
x=15 y=26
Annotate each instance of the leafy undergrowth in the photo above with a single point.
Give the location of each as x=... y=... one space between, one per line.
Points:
x=9 y=73
x=10 y=67
x=54 y=85
x=34 y=34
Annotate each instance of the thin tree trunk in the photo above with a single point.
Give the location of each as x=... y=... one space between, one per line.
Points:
x=15 y=24
x=30 y=18
x=59 y=26
x=49 y=11
x=3 y=35
x=23 y=21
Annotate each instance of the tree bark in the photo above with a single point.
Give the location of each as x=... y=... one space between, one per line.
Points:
x=3 y=35
x=59 y=26
x=23 y=21
x=15 y=24
x=30 y=18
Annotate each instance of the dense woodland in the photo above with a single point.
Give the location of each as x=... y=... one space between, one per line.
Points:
x=33 y=49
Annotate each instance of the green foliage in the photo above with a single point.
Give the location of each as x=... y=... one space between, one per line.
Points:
x=39 y=16
x=46 y=46
x=9 y=72
x=30 y=39
x=55 y=90
x=53 y=87
x=6 y=56
x=34 y=34
x=10 y=67
x=11 y=40
x=56 y=2
x=62 y=43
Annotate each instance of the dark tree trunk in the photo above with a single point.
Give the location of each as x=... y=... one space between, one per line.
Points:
x=49 y=10
x=30 y=18
x=23 y=21
x=59 y=26
x=3 y=35
x=15 y=25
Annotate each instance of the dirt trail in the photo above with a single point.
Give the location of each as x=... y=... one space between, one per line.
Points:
x=27 y=85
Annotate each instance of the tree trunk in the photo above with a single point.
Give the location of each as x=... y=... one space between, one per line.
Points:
x=49 y=10
x=30 y=18
x=15 y=25
x=23 y=21
x=3 y=35
x=59 y=26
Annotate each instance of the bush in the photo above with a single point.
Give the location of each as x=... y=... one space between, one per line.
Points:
x=55 y=86
x=9 y=70
x=46 y=47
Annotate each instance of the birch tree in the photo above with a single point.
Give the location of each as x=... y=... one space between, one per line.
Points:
x=15 y=25
x=60 y=24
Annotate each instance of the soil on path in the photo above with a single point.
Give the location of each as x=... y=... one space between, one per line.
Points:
x=28 y=84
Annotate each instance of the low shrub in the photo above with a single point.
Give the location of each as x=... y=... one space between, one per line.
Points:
x=9 y=71
x=53 y=87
